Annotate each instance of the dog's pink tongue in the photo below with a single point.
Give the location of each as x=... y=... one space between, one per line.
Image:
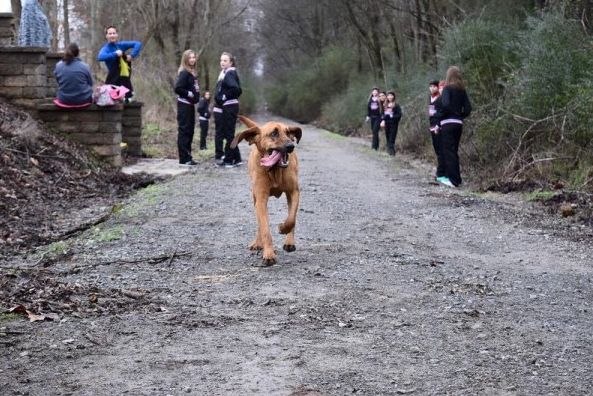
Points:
x=271 y=160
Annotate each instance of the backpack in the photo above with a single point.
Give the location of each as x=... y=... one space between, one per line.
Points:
x=109 y=95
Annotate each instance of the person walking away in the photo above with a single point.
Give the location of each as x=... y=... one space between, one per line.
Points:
x=204 y=116
x=188 y=91
x=75 y=83
x=34 y=29
x=435 y=87
x=228 y=90
x=455 y=107
x=118 y=62
x=374 y=112
x=392 y=113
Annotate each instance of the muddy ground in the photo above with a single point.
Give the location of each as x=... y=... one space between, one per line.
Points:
x=398 y=286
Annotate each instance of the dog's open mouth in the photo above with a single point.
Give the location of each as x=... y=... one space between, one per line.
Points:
x=274 y=157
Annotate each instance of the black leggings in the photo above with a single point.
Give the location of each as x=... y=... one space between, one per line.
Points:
x=186 y=121
x=450 y=138
x=390 y=135
x=229 y=122
x=375 y=126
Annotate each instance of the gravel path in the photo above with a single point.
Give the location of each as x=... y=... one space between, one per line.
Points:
x=397 y=286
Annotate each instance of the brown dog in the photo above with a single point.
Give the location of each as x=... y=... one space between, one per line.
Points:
x=273 y=169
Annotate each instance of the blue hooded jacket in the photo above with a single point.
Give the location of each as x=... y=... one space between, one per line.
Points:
x=108 y=55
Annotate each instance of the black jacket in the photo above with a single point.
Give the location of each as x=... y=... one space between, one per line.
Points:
x=186 y=82
x=203 y=109
x=433 y=111
x=392 y=116
x=229 y=87
x=371 y=112
x=454 y=104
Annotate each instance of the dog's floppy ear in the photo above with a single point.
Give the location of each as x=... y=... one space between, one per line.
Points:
x=296 y=132
x=248 y=134
x=249 y=123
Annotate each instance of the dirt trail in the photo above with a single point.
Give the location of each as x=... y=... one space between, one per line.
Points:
x=397 y=287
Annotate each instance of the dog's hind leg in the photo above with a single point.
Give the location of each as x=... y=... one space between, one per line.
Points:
x=288 y=226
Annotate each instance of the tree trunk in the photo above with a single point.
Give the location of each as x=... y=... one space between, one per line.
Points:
x=66 y=24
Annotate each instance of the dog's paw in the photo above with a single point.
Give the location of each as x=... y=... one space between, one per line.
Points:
x=269 y=257
x=268 y=262
x=289 y=248
x=255 y=246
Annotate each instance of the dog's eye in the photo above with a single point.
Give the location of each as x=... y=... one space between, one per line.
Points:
x=274 y=133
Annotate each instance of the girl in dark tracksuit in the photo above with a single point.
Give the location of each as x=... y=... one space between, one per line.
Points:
x=228 y=90
x=392 y=113
x=204 y=115
x=188 y=91
x=454 y=108
x=434 y=108
x=374 y=112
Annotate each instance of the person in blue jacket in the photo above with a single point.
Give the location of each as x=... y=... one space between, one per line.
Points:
x=118 y=61
x=75 y=83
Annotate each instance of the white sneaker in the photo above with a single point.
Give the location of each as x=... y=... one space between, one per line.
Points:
x=445 y=181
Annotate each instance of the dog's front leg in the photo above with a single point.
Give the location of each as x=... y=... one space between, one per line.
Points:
x=265 y=236
x=292 y=198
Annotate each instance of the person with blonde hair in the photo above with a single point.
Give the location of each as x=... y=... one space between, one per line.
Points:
x=454 y=108
x=188 y=91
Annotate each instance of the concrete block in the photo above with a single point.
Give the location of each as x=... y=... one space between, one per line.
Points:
x=97 y=139
x=115 y=160
x=39 y=80
x=35 y=92
x=11 y=92
x=15 y=81
x=106 y=151
x=131 y=121
x=111 y=116
x=132 y=132
x=54 y=115
x=8 y=69
x=35 y=70
x=110 y=127
x=89 y=127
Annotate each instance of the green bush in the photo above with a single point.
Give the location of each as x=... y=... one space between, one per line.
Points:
x=486 y=51
x=556 y=55
x=311 y=84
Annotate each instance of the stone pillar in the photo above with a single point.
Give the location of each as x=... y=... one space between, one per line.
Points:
x=51 y=60
x=132 y=128
x=98 y=128
x=23 y=75
x=7 y=33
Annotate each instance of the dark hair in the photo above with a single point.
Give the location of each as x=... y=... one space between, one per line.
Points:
x=231 y=58
x=71 y=52
x=109 y=27
x=434 y=82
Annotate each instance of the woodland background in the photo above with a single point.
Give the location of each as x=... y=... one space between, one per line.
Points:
x=528 y=66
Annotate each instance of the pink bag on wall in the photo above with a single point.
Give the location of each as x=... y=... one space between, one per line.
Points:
x=109 y=95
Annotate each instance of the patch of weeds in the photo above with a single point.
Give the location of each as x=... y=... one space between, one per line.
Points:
x=151 y=130
x=107 y=234
x=540 y=195
x=333 y=135
x=144 y=197
x=153 y=151
x=9 y=317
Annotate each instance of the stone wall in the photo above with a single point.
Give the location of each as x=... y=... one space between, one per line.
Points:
x=51 y=60
x=7 y=31
x=27 y=79
x=23 y=75
x=99 y=128
x=132 y=128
